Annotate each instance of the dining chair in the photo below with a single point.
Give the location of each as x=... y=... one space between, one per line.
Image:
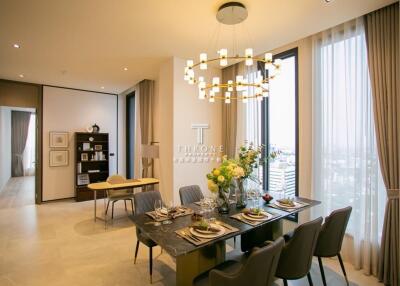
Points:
x=118 y=195
x=144 y=202
x=330 y=238
x=190 y=194
x=296 y=257
x=258 y=269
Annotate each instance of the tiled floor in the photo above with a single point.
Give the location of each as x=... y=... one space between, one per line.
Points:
x=19 y=191
x=59 y=244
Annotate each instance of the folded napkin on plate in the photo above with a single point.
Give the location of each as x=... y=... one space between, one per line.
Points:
x=210 y=228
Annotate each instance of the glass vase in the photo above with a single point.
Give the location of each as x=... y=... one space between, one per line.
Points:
x=223 y=201
x=241 y=195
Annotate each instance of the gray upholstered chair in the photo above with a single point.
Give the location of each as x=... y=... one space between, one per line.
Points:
x=256 y=270
x=144 y=202
x=331 y=237
x=296 y=257
x=190 y=194
x=118 y=195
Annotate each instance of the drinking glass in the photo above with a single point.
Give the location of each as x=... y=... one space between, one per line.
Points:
x=169 y=207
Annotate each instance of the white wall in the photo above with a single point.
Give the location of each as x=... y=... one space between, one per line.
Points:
x=5 y=145
x=72 y=111
x=188 y=110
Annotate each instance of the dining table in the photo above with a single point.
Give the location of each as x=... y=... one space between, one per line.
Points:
x=193 y=259
x=106 y=186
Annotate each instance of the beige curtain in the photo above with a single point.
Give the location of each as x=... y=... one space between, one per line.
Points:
x=19 y=134
x=382 y=34
x=229 y=115
x=146 y=97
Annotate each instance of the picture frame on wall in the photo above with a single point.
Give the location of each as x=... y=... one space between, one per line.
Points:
x=59 y=158
x=59 y=139
x=84 y=157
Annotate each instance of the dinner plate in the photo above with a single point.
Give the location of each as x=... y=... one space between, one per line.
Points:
x=296 y=205
x=209 y=235
x=254 y=218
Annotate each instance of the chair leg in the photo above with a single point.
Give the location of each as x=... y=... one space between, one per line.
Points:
x=285 y=282
x=133 y=212
x=136 y=251
x=321 y=268
x=125 y=205
x=344 y=270
x=309 y=279
x=112 y=210
x=234 y=242
x=151 y=264
x=108 y=203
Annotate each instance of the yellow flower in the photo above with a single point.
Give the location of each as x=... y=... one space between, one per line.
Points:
x=216 y=172
x=238 y=172
x=221 y=179
x=213 y=187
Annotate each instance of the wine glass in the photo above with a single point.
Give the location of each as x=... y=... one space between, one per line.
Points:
x=169 y=206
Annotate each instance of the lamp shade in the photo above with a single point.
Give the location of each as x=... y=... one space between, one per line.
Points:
x=150 y=151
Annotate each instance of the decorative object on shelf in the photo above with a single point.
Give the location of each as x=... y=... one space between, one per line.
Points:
x=82 y=179
x=84 y=157
x=91 y=139
x=79 y=168
x=233 y=13
x=58 y=158
x=89 y=129
x=219 y=181
x=98 y=147
x=96 y=128
x=59 y=139
x=86 y=146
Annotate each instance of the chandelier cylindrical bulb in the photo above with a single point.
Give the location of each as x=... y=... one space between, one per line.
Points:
x=203 y=61
x=265 y=93
x=227 y=94
x=259 y=97
x=186 y=75
x=215 y=84
x=245 y=96
x=268 y=57
x=227 y=100
x=249 y=57
x=189 y=63
x=212 y=97
x=239 y=83
x=278 y=63
x=230 y=85
x=223 y=54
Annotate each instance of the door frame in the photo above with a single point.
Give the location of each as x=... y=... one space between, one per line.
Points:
x=128 y=142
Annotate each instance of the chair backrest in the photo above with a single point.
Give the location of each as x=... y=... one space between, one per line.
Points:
x=332 y=232
x=190 y=194
x=144 y=201
x=296 y=256
x=115 y=179
x=259 y=269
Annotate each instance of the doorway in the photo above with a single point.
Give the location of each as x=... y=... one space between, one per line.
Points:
x=18 y=156
x=130 y=135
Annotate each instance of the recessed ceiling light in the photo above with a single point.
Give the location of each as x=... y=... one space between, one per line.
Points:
x=21 y=75
x=102 y=87
x=328 y=1
x=125 y=69
x=16 y=46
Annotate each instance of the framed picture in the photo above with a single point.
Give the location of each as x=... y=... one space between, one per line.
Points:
x=59 y=158
x=59 y=139
x=84 y=157
x=98 y=147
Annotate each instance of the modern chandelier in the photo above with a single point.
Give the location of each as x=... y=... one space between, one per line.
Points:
x=233 y=13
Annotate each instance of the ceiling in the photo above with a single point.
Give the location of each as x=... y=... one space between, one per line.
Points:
x=87 y=44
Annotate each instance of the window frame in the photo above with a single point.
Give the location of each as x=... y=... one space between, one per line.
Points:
x=265 y=119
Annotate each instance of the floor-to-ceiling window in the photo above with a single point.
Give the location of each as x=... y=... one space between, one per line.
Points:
x=279 y=117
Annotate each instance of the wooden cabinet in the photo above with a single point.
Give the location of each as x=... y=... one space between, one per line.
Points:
x=91 y=163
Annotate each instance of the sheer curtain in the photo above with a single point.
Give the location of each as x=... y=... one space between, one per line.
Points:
x=28 y=157
x=345 y=159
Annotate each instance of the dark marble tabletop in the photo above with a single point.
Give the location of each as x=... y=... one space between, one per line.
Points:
x=166 y=237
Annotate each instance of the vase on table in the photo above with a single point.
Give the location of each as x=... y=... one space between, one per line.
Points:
x=241 y=195
x=223 y=200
